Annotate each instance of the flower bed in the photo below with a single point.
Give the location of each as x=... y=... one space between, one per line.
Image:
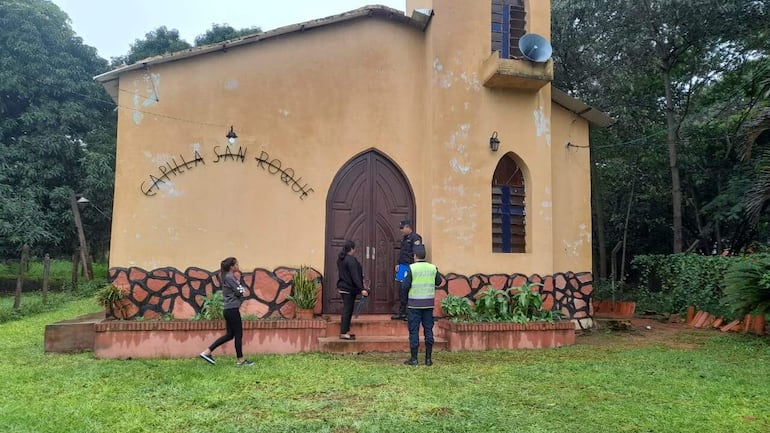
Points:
x=505 y=336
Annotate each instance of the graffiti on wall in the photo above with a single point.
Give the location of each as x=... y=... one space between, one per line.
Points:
x=173 y=168
x=275 y=166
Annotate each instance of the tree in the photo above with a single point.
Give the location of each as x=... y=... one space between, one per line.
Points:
x=156 y=42
x=223 y=32
x=53 y=116
x=610 y=55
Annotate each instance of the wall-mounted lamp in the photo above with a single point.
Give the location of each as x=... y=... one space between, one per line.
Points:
x=494 y=143
x=231 y=136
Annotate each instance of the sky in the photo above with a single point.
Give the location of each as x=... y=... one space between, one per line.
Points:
x=111 y=25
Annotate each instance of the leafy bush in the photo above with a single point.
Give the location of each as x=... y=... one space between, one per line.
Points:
x=109 y=296
x=515 y=304
x=671 y=283
x=747 y=286
x=456 y=307
x=304 y=293
x=85 y=289
x=213 y=307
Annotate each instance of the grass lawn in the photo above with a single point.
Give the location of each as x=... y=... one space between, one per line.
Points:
x=697 y=381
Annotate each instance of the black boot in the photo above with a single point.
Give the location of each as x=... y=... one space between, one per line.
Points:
x=413 y=359
x=401 y=315
x=428 y=355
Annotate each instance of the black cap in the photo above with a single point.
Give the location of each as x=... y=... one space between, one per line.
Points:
x=405 y=223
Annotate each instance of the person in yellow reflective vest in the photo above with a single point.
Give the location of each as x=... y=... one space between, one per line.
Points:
x=420 y=281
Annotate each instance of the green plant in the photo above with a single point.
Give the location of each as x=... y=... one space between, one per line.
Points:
x=492 y=305
x=526 y=302
x=515 y=304
x=747 y=287
x=456 y=307
x=213 y=307
x=250 y=317
x=304 y=293
x=167 y=317
x=109 y=296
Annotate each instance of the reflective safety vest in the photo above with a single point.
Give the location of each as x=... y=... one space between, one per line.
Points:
x=423 y=290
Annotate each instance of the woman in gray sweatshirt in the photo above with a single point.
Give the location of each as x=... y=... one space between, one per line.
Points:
x=232 y=292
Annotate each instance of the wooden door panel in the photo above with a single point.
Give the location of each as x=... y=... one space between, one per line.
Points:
x=367 y=199
x=347 y=210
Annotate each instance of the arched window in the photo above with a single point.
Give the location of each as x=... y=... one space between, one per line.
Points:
x=508 y=207
x=509 y=24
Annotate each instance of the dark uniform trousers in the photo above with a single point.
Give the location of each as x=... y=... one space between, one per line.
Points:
x=415 y=318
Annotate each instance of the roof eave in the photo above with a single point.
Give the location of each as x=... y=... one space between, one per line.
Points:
x=592 y=115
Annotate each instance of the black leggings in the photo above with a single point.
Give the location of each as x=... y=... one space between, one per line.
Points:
x=234 y=330
x=348 y=302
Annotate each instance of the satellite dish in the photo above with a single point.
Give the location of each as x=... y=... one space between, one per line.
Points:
x=535 y=48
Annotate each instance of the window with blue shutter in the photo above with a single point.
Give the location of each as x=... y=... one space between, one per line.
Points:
x=509 y=24
x=508 y=208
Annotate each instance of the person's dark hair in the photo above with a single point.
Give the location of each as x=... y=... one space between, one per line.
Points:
x=225 y=266
x=346 y=248
x=419 y=251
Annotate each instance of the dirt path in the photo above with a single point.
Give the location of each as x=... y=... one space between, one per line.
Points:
x=646 y=332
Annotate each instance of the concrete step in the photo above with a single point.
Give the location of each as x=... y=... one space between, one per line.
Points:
x=369 y=325
x=374 y=343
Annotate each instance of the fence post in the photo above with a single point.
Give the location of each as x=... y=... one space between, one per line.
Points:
x=20 y=279
x=46 y=269
x=75 y=259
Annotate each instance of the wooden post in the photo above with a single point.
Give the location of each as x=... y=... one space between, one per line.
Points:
x=81 y=234
x=46 y=269
x=75 y=259
x=20 y=278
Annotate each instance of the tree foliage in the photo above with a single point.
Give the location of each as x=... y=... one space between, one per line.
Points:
x=156 y=42
x=54 y=121
x=682 y=78
x=223 y=32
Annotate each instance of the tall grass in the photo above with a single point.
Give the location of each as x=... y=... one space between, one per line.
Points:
x=33 y=303
x=60 y=270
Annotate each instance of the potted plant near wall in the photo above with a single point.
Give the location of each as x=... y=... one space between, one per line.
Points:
x=304 y=294
x=111 y=299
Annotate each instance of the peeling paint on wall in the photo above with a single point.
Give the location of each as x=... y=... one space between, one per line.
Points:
x=472 y=82
x=459 y=168
x=584 y=237
x=542 y=125
x=446 y=78
x=572 y=248
x=283 y=112
x=231 y=84
x=150 y=87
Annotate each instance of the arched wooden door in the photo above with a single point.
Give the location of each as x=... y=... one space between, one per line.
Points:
x=366 y=201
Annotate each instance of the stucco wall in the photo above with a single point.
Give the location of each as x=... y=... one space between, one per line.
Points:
x=312 y=100
x=315 y=99
x=571 y=192
x=465 y=113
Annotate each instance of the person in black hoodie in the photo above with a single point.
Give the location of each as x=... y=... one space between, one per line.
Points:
x=350 y=284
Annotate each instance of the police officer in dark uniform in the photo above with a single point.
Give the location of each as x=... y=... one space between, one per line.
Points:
x=406 y=258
